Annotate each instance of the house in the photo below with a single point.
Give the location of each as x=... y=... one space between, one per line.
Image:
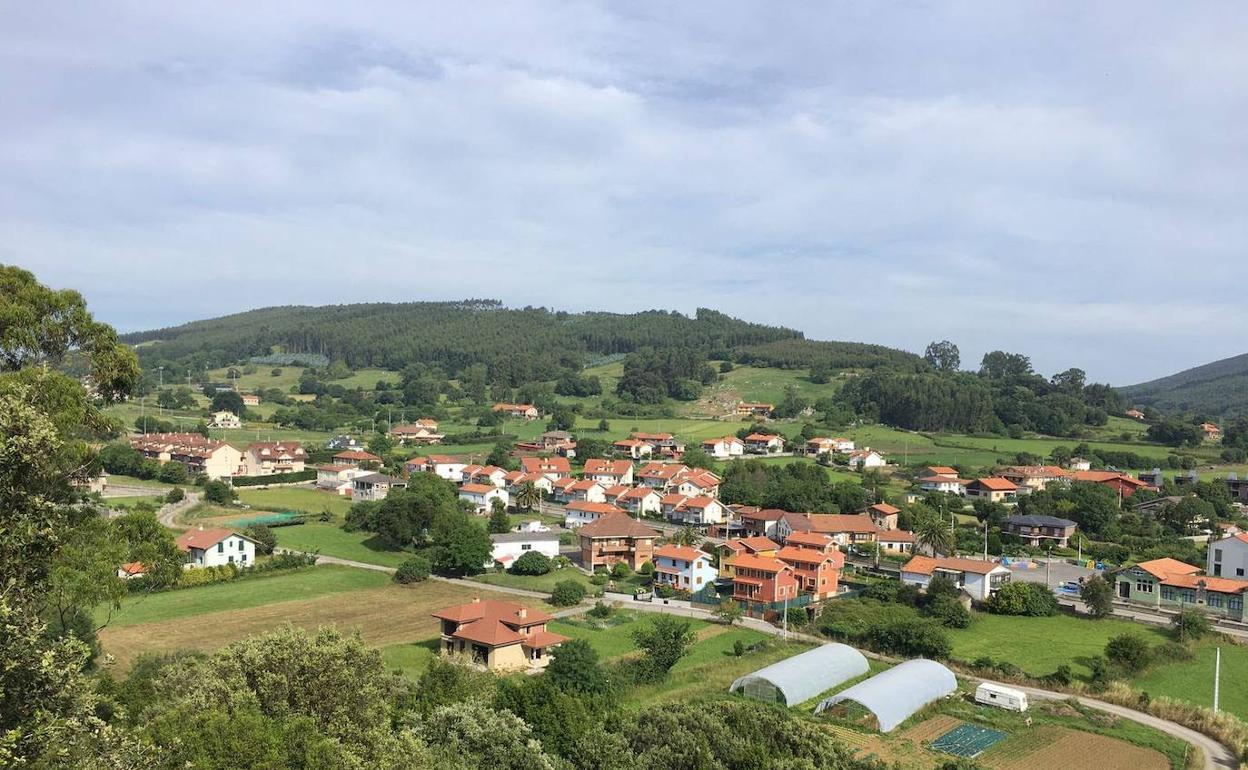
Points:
x=609 y=472
x=755 y=546
x=1035 y=477
x=763 y=444
x=762 y=523
x=482 y=496
x=811 y=541
x=634 y=448
x=1033 y=529
x=761 y=586
x=1154 y=506
x=979 y=579
x=940 y=470
x=724 y=448
x=338 y=443
x=225 y=420
x=499 y=635
x=553 y=468
x=884 y=515
x=1191 y=478
x=640 y=501
x=579 y=513
x=1228 y=557
x=423 y=431
x=845 y=529
x=1121 y=483
x=355 y=457
x=1134 y=414
x=216 y=547
x=997 y=490
x=211 y=457
x=579 y=490
x=1175 y=585
x=820 y=446
x=517 y=479
x=1234 y=484
x=374 y=486
x=756 y=410
x=338 y=478
x=522 y=411
x=1212 y=432
x=266 y=458
x=1078 y=464
x=559 y=441
x=131 y=570
x=509 y=546
x=443 y=466
x=660 y=475
x=817 y=570
x=951 y=485
x=861 y=459
x=696 y=481
x=699 y=511
x=683 y=568
x=484 y=474
x=663 y=444
x=616 y=538
x=896 y=541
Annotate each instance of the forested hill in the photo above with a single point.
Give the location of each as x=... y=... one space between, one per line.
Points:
x=527 y=344
x=1216 y=389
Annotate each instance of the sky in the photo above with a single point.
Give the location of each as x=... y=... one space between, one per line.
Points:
x=1065 y=180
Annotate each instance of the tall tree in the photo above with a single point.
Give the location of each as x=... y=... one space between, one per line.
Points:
x=943 y=356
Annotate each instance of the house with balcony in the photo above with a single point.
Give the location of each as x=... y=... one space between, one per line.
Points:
x=374 y=486
x=1035 y=529
x=764 y=444
x=609 y=472
x=579 y=491
x=658 y=475
x=498 y=635
x=266 y=458
x=1035 y=477
x=484 y=474
x=662 y=444
x=724 y=448
x=616 y=538
x=979 y=579
x=338 y=478
x=950 y=485
x=482 y=496
x=694 y=482
x=355 y=457
x=211 y=457
x=761 y=586
x=817 y=570
x=640 y=501
x=699 y=511
x=760 y=522
x=442 y=466
x=842 y=528
x=753 y=546
x=635 y=449
x=683 y=568
x=579 y=513
x=995 y=489
x=553 y=468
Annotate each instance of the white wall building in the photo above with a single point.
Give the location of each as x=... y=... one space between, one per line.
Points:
x=510 y=546
x=215 y=547
x=1228 y=557
x=482 y=496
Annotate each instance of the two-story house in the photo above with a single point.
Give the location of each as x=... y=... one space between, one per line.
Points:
x=374 y=486
x=553 y=468
x=579 y=513
x=482 y=496
x=609 y=472
x=761 y=585
x=754 y=546
x=616 y=538
x=355 y=457
x=265 y=458
x=763 y=444
x=498 y=635
x=724 y=448
x=216 y=547
x=817 y=570
x=633 y=448
x=979 y=579
x=996 y=489
x=1228 y=557
x=1035 y=529
x=683 y=568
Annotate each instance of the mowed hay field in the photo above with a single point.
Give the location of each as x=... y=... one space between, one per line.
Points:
x=384 y=616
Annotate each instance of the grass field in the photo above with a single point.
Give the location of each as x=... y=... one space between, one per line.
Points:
x=118 y=480
x=384 y=616
x=1192 y=680
x=329 y=539
x=410 y=658
x=295 y=499
x=1039 y=645
x=241 y=594
x=749 y=383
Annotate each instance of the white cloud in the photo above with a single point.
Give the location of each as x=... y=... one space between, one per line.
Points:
x=1001 y=176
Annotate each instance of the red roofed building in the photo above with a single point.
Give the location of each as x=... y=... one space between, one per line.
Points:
x=265 y=458
x=683 y=568
x=499 y=635
x=845 y=529
x=355 y=457
x=580 y=512
x=523 y=411
x=216 y=547
x=817 y=571
x=754 y=546
x=979 y=579
x=615 y=538
x=553 y=468
x=1121 y=483
x=884 y=515
x=763 y=444
x=609 y=472
x=634 y=448
x=896 y=541
x=993 y=488
x=760 y=584
x=761 y=522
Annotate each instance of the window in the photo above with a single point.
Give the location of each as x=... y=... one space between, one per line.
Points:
x=1167 y=593
x=1144 y=586
x=1217 y=554
x=526 y=546
x=240 y=545
x=1213 y=600
x=231 y=558
x=1235 y=603
x=221 y=547
x=1239 y=571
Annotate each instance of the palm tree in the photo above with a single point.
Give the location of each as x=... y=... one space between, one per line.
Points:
x=527 y=496
x=932 y=533
x=688 y=536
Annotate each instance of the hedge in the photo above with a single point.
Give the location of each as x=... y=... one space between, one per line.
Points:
x=276 y=478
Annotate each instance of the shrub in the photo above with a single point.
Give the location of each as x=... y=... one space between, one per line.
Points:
x=796 y=617
x=1190 y=624
x=599 y=579
x=413 y=570
x=738 y=648
x=203 y=576
x=620 y=571
x=531 y=563
x=266 y=541
x=1097 y=593
x=176 y=495
x=218 y=492
x=949 y=612
x=601 y=610
x=567 y=593
x=1031 y=599
x=646 y=569
x=883 y=591
x=1128 y=652
x=1061 y=676
x=664 y=591
x=914 y=638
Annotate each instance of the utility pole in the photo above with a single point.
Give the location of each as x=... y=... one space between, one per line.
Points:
x=1217 y=675
x=985 y=540
x=161 y=409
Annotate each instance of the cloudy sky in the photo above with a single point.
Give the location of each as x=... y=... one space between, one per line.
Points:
x=1066 y=180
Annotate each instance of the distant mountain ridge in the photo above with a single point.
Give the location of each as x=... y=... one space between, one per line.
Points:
x=1219 y=388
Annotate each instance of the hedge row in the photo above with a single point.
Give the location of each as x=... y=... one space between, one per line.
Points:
x=276 y=478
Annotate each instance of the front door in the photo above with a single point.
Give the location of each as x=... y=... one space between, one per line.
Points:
x=1124 y=589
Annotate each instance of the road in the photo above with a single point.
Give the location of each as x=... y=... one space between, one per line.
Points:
x=169 y=511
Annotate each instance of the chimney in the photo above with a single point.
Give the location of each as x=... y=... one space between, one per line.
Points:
x=522 y=613
x=476 y=600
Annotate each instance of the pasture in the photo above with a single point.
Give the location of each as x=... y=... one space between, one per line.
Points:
x=329 y=539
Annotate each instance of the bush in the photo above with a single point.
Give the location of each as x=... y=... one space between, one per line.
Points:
x=883 y=591
x=531 y=563
x=1097 y=593
x=601 y=610
x=796 y=617
x=203 y=576
x=738 y=648
x=646 y=569
x=949 y=612
x=664 y=591
x=176 y=495
x=1061 y=676
x=413 y=570
x=1032 y=599
x=621 y=571
x=567 y=593
x=218 y=492
x=890 y=628
x=599 y=579
x=1128 y=652
x=1190 y=624
x=266 y=541
x=275 y=478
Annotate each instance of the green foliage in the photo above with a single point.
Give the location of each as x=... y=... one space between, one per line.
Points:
x=265 y=539
x=274 y=478
x=463 y=548
x=891 y=628
x=948 y=611
x=567 y=593
x=1031 y=599
x=499 y=523
x=531 y=563
x=445 y=681
x=663 y=642
x=1098 y=594
x=409 y=516
x=413 y=570
x=1190 y=624
x=646 y=569
x=1128 y=652
x=796 y=617
x=226 y=401
x=620 y=571
x=574 y=667
x=729 y=612
x=798 y=486
x=470 y=734
x=172 y=473
x=175 y=495
x=601 y=610
x=218 y=492
x=1214 y=388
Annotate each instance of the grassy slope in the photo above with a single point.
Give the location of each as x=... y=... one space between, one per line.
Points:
x=329 y=539
x=1193 y=680
x=254 y=592
x=294 y=499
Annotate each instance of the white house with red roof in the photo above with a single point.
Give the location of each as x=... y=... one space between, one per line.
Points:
x=443 y=466
x=355 y=457
x=764 y=444
x=338 y=478
x=423 y=431
x=485 y=474
x=683 y=568
x=554 y=468
x=633 y=448
x=696 y=482
x=724 y=447
x=861 y=459
x=609 y=472
x=482 y=496
x=541 y=481
x=579 y=490
x=216 y=547
x=640 y=501
x=658 y=475
x=579 y=513
x=1228 y=557
x=522 y=411
x=265 y=458
x=979 y=579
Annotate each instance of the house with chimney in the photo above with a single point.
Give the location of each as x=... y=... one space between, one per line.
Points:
x=884 y=515
x=579 y=513
x=616 y=538
x=553 y=468
x=481 y=497
x=661 y=444
x=699 y=511
x=199 y=455
x=609 y=472
x=355 y=457
x=683 y=568
x=817 y=567
x=266 y=458
x=993 y=488
x=755 y=546
x=498 y=635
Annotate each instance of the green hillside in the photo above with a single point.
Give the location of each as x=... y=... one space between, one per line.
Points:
x=1219 y=389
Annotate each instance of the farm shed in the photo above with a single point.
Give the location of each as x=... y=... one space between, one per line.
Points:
x=893 y=695
x=802 y=677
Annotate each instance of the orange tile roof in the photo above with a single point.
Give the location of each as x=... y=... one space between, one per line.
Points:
x=599 y=508
x=491 y=622
x=1167 y=568
x=885 y=509
x=204 y=538
x=996 y=484
x=841 y=522
x=356 y=454
x=810 y=556
x=756 y=543
x=925 y=565
x=551 y=464
x=750 y=561
x=607 y=467
x=762 y=437
x=617 y=525
x=679 y=552
x=896 y=536
x=541 y=639
x=809 y=538
x=478 y=489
